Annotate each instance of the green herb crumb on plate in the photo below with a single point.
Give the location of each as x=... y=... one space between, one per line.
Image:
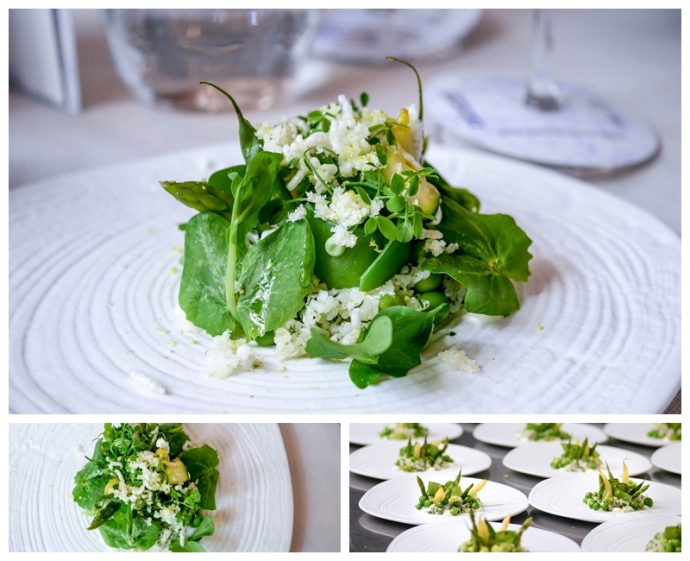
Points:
x=146 y=487
x=577 y=456
x=485 y=538
x=337 y=239
x=668 y=541
x=622 y=494
x=439 y=498
x=421 y=456
x=404 y=431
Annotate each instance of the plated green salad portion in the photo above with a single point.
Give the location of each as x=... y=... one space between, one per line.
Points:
x=544 y=431
x=485 y=538
x=622 y=494
x=577 y=457
x=421 y=456
x=667 y=541
x=145 y=486
x=439 y=498
x=337 y=239
x=666 y=431
x=404 y=431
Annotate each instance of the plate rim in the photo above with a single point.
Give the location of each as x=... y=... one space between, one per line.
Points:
x=538 y=444
x=368 y=447
x=649 y=401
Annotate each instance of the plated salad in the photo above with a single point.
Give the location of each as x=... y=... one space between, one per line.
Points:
x=544 y=431
x=484 y=538
x=337 y=239
x=622 y=494
x=439 y=498
x=421 y=456
x=667 y=541
x=145 y=486
x=404 y=431
x=577 y=457
x=666 y=431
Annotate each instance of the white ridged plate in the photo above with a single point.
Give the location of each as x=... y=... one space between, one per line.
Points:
x=447 y=536
x=92 y=296
x=635 y=433
x=668 y=458
x=627 y=534
x=253 y=499
x=562 y=495
x=508 y=434
x=395 y=499
x=368 y=433
x=535 y=459
x=378 y=460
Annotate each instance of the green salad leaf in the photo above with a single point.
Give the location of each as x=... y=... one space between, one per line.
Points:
x=399 y=335
x=126 y=531
x=202 y=465
x=275 y=277
x=494 y=251
x=202 y=288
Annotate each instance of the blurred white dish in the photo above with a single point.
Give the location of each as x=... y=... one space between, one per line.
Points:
x=668 y=458
x=535 y=458
x=636 y=433
x=447 y=536
x=369 y=433
x=509 y=434
x=369 y=36
x=628 y=534
x=378 y=460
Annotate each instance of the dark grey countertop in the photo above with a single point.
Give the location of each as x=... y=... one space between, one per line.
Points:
x=368 y=533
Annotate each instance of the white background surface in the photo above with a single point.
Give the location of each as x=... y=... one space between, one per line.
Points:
x=313 y=452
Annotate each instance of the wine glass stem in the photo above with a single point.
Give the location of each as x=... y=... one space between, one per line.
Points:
x=542 y=91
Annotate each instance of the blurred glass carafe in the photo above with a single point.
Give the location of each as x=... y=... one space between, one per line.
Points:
x=162 y=55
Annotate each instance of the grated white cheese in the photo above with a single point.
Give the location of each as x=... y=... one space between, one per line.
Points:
x=457 y=358
x=147 y=382
x=229 y=356
x=163 y=444
x=298 y=214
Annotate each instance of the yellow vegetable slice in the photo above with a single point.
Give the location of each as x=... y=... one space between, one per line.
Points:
x=477 y=487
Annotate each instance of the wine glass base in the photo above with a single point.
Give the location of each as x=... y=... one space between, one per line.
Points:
x=585 y=133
